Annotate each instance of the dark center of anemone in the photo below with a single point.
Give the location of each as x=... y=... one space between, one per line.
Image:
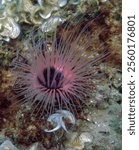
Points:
x=53 y=78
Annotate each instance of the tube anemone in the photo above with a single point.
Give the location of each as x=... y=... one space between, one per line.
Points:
x=57 y=76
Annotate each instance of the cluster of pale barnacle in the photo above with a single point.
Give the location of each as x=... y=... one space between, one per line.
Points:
x=44 y=13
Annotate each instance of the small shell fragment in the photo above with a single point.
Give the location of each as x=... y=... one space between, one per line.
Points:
x=9 y=28
x=57 y=119
x=62 y=3
x=51 y=24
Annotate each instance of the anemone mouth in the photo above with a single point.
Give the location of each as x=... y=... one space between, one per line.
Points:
x=53 y=79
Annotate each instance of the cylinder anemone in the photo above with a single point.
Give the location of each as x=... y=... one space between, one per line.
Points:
x=56 y=76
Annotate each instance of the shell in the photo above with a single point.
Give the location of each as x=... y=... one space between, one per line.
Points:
x=52 y=2
x=28 y=12
x=62 y=3
x=9 y=28
x=46 y=14
x=57 y=119
x=51 y=24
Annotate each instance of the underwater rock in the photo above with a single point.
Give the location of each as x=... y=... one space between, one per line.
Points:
x=36 y=146
x=77 y=141
x=86 y=137
x=7 y=145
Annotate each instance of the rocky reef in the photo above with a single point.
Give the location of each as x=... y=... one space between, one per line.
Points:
x=98 y=127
